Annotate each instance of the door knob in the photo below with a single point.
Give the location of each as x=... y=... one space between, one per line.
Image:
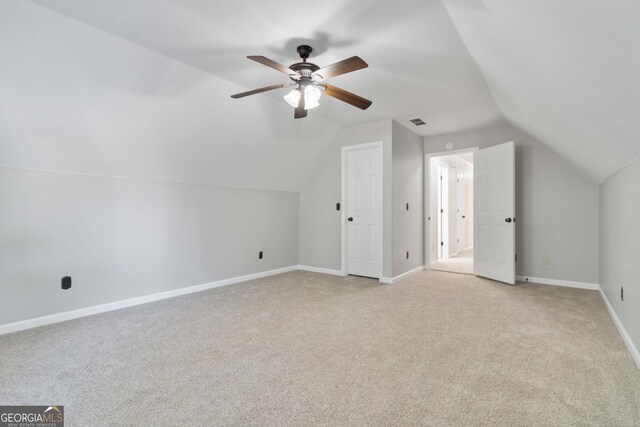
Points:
x=350 y=219
x=508 y=220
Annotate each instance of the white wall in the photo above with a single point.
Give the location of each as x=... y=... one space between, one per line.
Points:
x=320 y=223
x=76 y=99
x=619 y=251
x=408 y=187
x=556 y=205
x=125 y=238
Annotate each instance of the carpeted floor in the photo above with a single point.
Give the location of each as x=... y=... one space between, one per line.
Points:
x=462 y=263
x=310 y=349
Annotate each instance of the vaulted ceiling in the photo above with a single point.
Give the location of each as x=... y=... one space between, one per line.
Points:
x=418 y=65
x=141 y=88
x=567 y=72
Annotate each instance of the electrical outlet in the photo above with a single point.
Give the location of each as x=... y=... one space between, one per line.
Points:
x=407 y=254
x=621 y=293
x=260 y=255
x=546 y=260
x=65 y=283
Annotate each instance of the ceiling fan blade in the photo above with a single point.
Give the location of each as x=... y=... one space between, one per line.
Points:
x=260 y=90
x=300 y=112
x=348 y=97
x=275 y=65
x=346 y=66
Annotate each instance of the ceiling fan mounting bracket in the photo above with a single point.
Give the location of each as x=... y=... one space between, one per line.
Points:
x=304 y=51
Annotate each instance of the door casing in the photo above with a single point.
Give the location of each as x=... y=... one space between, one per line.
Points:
x=428 y=238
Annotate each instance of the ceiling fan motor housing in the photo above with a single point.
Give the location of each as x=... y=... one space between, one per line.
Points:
x=304 y=69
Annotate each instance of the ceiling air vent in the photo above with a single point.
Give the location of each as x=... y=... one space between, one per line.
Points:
x=417 y=122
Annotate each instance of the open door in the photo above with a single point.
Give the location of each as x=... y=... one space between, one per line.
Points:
x=494 y=213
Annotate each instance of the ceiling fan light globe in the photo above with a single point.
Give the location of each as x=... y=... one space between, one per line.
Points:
x=310 y=105
x=311 y=97
x=312 y=92
x=293 y=98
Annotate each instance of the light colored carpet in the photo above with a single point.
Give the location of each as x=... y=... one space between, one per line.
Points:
x=310 y=349
x=462 y=263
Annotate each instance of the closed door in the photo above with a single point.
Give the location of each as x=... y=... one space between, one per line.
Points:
x=364 y=212
x=494 y=213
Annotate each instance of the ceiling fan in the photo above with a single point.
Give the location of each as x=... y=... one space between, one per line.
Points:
x=308 y=80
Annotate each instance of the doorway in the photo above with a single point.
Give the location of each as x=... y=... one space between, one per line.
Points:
x=450 y=215
x=362 y=213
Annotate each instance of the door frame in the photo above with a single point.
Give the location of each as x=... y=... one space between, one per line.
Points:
x=427 y=199
x=343 y=203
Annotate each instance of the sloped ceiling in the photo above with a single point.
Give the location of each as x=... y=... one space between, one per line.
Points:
x=141 y=88
x=419 y=66
x=77 y=99
x=567 y=72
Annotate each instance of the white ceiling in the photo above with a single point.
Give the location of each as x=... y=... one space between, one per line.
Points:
x=141 y=88
x=418 y=65
x=567 y=72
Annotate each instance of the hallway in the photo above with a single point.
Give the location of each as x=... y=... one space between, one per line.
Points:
x=461 y=263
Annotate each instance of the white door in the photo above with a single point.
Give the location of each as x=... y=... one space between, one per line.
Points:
x=364 y=212
x=460 y=211
x=443 y=212
x=494 y=213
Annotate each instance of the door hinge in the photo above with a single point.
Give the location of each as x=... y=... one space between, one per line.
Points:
x=441 y=210
x=441 y=243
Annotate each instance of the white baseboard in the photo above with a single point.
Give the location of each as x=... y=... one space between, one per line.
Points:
x=88 y=311
x=556 y=282
x=320 y=270
x=401 y=276
x=621 y=329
